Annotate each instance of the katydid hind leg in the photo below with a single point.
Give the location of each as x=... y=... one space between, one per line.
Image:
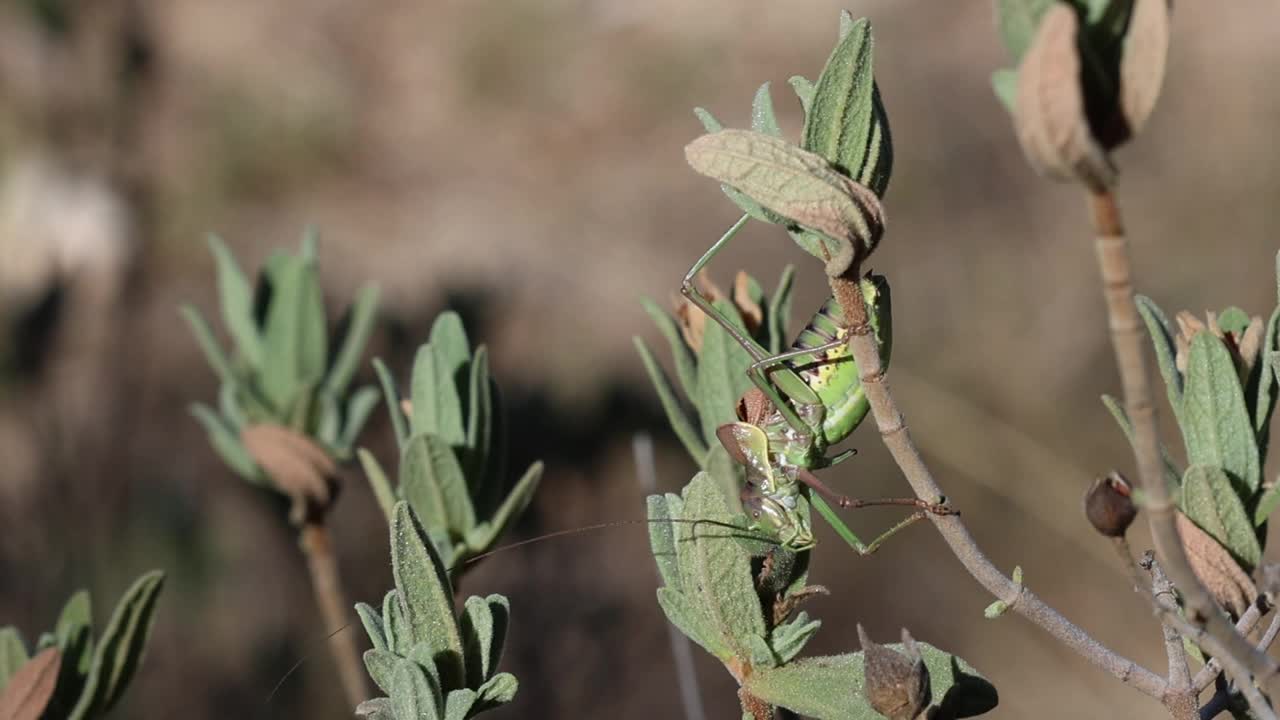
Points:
x=689 y=289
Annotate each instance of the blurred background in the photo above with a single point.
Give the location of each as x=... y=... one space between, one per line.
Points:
x=521 y=162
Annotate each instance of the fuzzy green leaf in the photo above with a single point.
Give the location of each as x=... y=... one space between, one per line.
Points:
x=662 y=541
x=295 y=343
x=845 y=123
x=382 y=491
x=361 y=315
x=13 y=653
x=682 y=356
x=516 y=501
x=213 y=352
x=391 y=393
x=121 y=647
x=423 y=583
x=499 y=690
x=372 y=622
x=1211 y=502
x=713 y=563
x=681 y=612
x=1265 y=386
x=431 y=480
x=833 y=687
x=437 y=408
x=413 y=695
x=780 y=311
x=1018 y=20
x=804 y=91
x=796 y=184
x=359 y=407
x=1166 y=352
x=236 y=297
x=74 y=637
x=1216 y=425
x=722 y=374
x=381 y=665
x=459 y=703
x=790 y=638
x=1004 y=83
x=483 y=626
x=394 y=625
x=680 y=422
x=479 y=444
x=763 y=119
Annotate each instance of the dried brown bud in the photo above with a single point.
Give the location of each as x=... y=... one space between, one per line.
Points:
x=897 y=684
x=1244 y=346
x=298 y=466
x=1108 y=504
x=1215 y=567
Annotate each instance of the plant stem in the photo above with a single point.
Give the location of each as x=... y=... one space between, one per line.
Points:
x=897 y=439
x=333 y=604
x=1244 y=626
x=1126 y=338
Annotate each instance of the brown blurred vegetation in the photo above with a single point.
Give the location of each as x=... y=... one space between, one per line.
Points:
x=521 y=161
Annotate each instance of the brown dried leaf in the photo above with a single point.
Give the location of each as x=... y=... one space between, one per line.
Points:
x=1146 y=45
x=1250 y=344
x=751 y=312
x=1188 y=326
x=1215 y=567
x=1050 y=114
x=295 y=463
x=31 y=687
x=406 y=407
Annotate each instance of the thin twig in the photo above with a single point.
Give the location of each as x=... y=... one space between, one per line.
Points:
x=332 y=601
x=1127 y=340
x=898 y=440
x=1244 y=626
x=686 y=671
x=1162 y=591
x=1222 y=698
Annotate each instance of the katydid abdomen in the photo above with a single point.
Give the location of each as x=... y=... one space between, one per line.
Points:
x=832 y=373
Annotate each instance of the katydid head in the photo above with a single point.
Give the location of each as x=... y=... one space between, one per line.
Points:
x=778 y=518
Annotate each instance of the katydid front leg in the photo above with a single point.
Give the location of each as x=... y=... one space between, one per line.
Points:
x=822 y=491
x=689 y=290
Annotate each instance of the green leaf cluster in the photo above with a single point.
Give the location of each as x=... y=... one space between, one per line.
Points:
x=713 y=375
x=283 y=368
x=453 y=447
x=735 y=594
x=845 y=125
x=432 y=663
x=94 y=672
x=1221 y=383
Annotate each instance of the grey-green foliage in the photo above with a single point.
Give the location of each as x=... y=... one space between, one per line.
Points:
x=94 y=672
x=283 y=368
x=453 y=447
x=735 y=594
x=1222 y=397
x=712 y=372
x=845 y=124
x=432 y=664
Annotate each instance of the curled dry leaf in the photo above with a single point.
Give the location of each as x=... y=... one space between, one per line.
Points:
x=31 y=687
x=693 y=322
x=1244 y=347
x=1146 y=45
x=1050 y=113
x=897 y=684
x=1215 y=567
x=295 y=463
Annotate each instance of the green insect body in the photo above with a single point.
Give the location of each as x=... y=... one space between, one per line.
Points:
x=805 y=400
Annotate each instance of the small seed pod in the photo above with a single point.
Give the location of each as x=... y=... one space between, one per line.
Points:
x=897 y=683
x=1109 y=504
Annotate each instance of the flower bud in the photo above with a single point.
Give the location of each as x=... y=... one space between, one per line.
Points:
x=1109 y=504
x=897 y=683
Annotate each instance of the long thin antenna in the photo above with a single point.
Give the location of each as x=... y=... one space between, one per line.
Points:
x=686 y=673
